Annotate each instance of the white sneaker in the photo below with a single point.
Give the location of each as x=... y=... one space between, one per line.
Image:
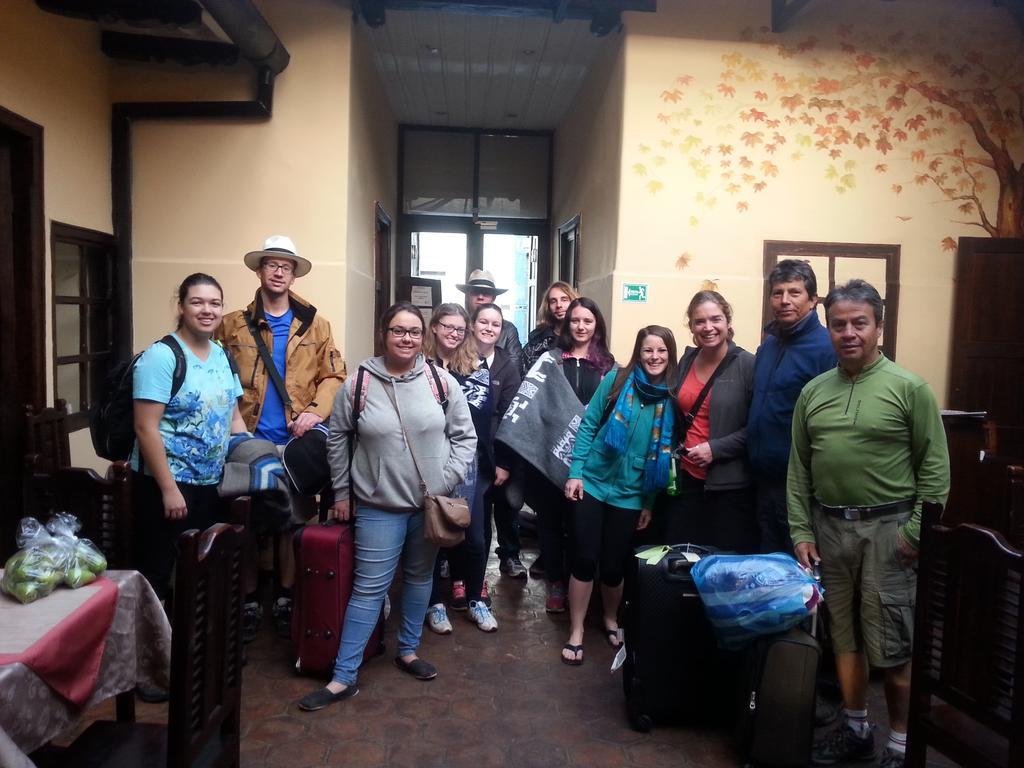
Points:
x=481 y=614
x=437 y=619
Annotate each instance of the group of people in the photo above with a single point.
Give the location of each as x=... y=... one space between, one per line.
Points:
x=816 y=445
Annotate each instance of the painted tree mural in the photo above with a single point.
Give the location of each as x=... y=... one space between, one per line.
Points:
x=939 y=117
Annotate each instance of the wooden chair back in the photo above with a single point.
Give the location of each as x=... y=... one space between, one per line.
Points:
x=47 y=436
x=206 y=649
x=103 y=505
x=967 y=688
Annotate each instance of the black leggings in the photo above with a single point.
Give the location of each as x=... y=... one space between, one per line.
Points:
x=156 y=537
x=604 y=535
x=554 y=513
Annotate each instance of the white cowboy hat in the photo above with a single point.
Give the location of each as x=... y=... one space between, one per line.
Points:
x=281 y=247
x=480 y=280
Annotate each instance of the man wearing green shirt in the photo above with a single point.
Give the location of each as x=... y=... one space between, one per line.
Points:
x=868 y=449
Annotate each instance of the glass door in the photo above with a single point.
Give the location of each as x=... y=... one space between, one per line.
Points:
x=512 y=259
x=442 y=256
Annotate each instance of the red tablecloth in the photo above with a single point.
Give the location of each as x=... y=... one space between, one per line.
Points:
x=67 y=657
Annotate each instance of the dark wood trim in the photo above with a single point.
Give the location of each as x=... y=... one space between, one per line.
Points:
x=32 y=304
x=568 y=226
x=383 y=258
x=773 y=249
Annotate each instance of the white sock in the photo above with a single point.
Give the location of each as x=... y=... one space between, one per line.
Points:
x=857 y=721
x=897 y=742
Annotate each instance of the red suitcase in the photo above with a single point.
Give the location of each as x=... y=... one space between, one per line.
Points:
x=324 y=570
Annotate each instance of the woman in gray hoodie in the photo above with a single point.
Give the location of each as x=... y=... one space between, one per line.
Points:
x=399 y=402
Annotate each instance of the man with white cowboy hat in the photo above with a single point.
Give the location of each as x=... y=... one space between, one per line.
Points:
x=480 y=289
x=302 y=350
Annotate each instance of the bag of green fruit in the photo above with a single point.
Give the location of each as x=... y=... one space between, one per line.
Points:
x=35 y=569
x=81 y=560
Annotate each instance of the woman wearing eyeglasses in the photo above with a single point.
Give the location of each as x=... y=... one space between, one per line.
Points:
x=400 y=413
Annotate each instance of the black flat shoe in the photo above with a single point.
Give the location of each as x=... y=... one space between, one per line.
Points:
x=418 y=668
x=323 y=697
x=152 y=694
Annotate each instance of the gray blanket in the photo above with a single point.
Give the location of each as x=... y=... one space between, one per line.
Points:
x=540 y=424
x=253 y=468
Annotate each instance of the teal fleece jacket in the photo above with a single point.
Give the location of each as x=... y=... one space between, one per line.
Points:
x=611 y=477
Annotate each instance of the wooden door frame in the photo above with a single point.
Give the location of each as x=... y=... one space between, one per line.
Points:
x=30 y=291
x=382 y=257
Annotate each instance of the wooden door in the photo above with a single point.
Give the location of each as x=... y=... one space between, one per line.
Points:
x=987 y=365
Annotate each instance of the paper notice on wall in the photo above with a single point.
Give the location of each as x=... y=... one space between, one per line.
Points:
x=421 y=296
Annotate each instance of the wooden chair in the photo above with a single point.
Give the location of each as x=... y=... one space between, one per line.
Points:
x=47 y=436
x=967 y=686
x=206 y=669
x=103 y=505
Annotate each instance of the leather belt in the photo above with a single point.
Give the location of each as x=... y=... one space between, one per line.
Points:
x=866 y=513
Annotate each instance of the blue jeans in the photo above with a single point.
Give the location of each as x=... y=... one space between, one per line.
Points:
x=382 y=537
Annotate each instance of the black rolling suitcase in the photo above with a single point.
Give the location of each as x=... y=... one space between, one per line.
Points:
x=776 y=718
x=673 y=671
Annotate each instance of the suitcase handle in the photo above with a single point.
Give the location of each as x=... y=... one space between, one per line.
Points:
x=676 y=568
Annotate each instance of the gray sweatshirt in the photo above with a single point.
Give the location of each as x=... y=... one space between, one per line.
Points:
x=383 y=471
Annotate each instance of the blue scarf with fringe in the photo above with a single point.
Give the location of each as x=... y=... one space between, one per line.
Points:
x=659 y=450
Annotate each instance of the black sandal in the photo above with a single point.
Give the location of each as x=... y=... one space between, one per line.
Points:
x=576 y=651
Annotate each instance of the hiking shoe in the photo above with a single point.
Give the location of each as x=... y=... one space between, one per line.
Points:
x=556 y=598
x=842 y=745
x=485 y=595
x=891 y=758
x=482 y=615
x=512 y=567
x=283 y=617
x=437 y=619
x=252 y=616
x=458 y=601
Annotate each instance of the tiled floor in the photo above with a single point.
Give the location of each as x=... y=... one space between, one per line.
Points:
x=501 y=699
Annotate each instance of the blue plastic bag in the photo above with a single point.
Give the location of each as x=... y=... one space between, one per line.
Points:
x=750 y=595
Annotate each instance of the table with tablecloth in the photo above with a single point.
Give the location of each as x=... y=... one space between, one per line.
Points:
x=135 y=650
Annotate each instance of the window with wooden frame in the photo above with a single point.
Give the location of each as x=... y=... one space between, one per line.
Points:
x=84 y=267
x=836 y=263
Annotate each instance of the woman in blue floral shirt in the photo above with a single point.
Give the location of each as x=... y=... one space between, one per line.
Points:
x=181 y=437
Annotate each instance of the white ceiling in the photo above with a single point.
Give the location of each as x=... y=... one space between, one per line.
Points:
x=462 y=70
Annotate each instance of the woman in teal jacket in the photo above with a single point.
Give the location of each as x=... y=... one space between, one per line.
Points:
x=620 y=461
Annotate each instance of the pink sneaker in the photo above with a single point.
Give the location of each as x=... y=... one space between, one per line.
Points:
x=485 y=595
x=458 y=601
x=556 y=598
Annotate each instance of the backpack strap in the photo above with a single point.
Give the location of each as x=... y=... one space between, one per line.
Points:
x=232 y=363
x=178 y=377
x=359 y=396
x=438 y=386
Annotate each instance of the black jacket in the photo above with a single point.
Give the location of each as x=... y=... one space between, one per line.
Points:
x=508 y=340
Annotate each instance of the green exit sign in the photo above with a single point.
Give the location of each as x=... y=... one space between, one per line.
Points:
x=636 y=292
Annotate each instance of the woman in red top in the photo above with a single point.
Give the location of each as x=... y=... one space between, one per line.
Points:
x=714 y=505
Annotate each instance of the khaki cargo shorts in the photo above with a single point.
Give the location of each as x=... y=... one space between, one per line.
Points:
x=869 y=593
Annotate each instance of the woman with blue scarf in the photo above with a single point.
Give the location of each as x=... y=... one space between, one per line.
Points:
x=620 y=462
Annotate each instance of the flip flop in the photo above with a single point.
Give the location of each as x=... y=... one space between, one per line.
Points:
x=575 y=650
x=612 y=635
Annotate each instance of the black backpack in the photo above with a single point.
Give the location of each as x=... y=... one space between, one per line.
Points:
x=112 y=419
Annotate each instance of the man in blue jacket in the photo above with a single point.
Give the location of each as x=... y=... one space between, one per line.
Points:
x=796 y=348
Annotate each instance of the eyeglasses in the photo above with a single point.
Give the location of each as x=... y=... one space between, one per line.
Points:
x=453 y=329
x=285 y=268
x=399 y=332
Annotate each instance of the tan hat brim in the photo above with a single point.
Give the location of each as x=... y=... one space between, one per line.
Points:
x=475 y=288
x=253 y=258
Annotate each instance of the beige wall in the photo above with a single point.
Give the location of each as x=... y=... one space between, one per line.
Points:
x=588 y=150
x=372 y=178
x=52 y=73
x=714 y=160
x=207 y=191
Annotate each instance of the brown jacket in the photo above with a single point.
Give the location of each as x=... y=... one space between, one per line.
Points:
x=314 y=370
